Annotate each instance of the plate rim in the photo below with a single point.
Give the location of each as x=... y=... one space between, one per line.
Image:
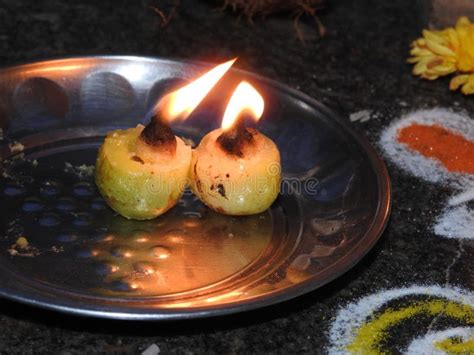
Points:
x=343 y=265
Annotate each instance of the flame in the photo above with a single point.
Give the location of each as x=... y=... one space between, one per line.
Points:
x=244 y=98
x=180 y=103
x=43 y=68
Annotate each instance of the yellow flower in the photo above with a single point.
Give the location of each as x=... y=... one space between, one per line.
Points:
x=440 y=53
x=465 y=31
x=434 y=54
x=465 y=62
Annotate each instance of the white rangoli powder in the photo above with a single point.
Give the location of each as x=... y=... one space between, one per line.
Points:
x=457 y=222
x=417 y=164
x=427 y=344
x=454 y=222
x=354 y=315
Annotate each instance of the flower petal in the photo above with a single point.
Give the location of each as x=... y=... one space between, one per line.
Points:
x=421 y=52
x=457 y=81
x=421 y=66
x=433 y=36
x=452 y=37
x=413 y=60
x=440 y=49
x=442 y=70
x=421 y=42
x=429 y=76
x=462 y=21
x=468 y=87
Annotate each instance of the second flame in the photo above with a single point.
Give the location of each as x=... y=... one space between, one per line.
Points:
x=244 y=99
x=180 y=103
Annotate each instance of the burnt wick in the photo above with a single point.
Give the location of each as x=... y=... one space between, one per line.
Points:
x=158 y=135
x=236 y=139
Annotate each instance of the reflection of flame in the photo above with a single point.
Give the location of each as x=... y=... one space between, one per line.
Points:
x=232 y=294
x=180 y=103
x=45 y=67
x=244 y=98
x=168 y=258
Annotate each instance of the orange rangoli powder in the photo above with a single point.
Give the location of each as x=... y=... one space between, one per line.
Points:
x=454 y=151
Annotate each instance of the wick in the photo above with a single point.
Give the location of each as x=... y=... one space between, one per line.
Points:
x=158 y=135
x=234 y=140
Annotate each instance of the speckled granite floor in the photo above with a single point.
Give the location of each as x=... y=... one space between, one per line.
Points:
x=358 y=65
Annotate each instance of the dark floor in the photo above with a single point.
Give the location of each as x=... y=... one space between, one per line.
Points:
x=358 y=65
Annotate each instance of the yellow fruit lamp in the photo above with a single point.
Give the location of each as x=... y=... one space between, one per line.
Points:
x=142 y=172
x=236 y=170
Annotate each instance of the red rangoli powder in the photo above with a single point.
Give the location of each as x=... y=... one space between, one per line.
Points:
x=453 y=150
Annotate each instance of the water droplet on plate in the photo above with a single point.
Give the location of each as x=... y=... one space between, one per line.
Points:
x=49 y=220
x=83 y=189
x=82 y=219
x=98 y=204
x=122 y=252
x=13 y=190
x=106 y=268
x=120 y=286
x=66 y=237
x=161 y=252
x=142 y=238
x=65 y=204
x=175 y=235
x=87 y=253
x=50 y=188
x=144 y=268
x=32 y=204
x=192 y=214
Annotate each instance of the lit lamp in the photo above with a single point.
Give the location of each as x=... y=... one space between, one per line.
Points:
x=142 y=172
x=236 y=170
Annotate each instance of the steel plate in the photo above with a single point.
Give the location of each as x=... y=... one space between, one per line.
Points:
x=191 y=262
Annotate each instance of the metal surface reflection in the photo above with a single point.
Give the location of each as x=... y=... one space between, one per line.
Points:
x=181 y=252
x=190 y=262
